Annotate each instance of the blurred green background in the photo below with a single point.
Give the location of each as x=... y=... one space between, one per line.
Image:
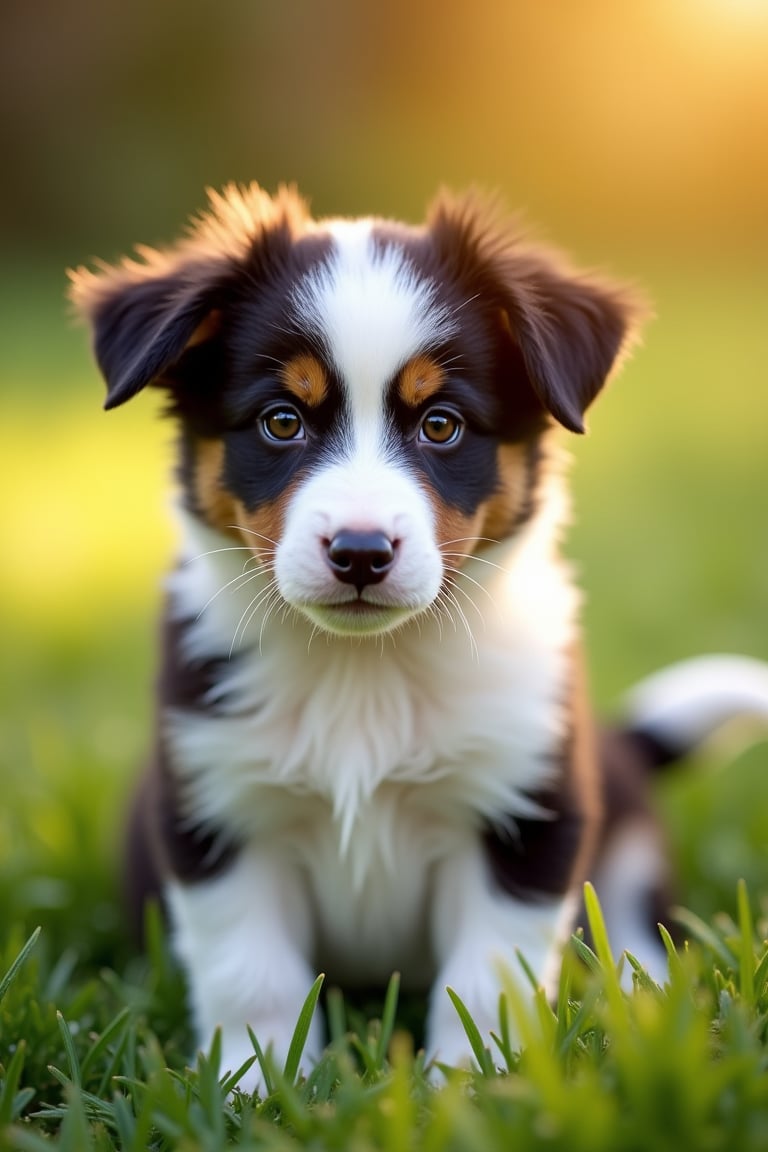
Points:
x=633 y=135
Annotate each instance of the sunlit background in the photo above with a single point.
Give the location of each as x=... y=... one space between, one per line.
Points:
x=633 y=135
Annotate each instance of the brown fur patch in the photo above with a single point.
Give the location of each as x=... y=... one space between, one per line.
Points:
x=212 y=498
x=261 y=530
x=460 y=535
x=420 y=379
x=503 y=509
x=456 y=533
x=305 y=378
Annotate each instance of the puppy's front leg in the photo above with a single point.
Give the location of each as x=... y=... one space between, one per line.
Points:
x=478 y=930
x=244 y=938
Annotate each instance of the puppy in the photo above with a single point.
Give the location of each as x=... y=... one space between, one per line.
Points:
x=374 y=749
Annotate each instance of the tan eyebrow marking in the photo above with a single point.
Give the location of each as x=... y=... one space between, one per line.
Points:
x=420 y=379
x=304 y=376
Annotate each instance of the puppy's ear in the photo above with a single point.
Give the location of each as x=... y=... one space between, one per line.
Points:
x=144 y=316
x=144 y=313
x=569 y=329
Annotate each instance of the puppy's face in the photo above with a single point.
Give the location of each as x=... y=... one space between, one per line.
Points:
x=361 y=403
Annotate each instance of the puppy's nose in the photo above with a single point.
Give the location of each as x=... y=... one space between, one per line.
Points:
x=360 y=558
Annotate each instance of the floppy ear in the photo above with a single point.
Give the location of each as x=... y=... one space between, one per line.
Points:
x=143 y=317
x=145 y=313
x=568 y=328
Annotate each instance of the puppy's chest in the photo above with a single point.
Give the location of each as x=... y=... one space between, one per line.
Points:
x=352 y=739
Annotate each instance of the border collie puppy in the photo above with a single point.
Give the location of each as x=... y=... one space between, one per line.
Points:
x=373 y=749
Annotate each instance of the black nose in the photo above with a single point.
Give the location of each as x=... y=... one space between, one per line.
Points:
x=360 y=558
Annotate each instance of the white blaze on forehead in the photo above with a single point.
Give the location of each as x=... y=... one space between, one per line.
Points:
x=373 y=311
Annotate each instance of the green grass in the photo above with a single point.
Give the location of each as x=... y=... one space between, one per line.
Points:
x=100 y=1065
x=671 y=545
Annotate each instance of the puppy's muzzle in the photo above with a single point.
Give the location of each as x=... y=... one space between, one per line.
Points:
x=360 y=558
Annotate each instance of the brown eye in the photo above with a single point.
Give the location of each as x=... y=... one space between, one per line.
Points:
x=441 y=426
x=283 y=424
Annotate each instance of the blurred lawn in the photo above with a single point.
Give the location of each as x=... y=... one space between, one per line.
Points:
x=670 y=540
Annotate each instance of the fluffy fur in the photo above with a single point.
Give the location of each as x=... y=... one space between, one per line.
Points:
x=374 y=748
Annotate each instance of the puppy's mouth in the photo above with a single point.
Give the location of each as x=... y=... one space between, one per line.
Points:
x=357 y=617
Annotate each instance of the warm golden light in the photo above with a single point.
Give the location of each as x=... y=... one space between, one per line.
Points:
x=737 y=27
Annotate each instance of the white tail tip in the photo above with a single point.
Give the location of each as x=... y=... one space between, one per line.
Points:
x=685 y=704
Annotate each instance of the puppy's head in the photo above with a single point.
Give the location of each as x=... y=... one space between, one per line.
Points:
x=362 y=402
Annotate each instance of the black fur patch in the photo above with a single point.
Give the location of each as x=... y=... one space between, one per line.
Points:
x=537 y=857
x=161 y=839
x=543 y=857
x=258 y=470
x=464 y=474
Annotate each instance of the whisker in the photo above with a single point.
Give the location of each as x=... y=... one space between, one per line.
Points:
x=480 y=560
x=313 y=633
x=443 y=610
x=451 y=572
x=260 y=535
x=462 y=617
x=451 y=589
x=456 y=588
x=262 y=564
x=446 y=365
x=469 y=540
x=272 y=603
x=466 y=302
x=214 y=551
x=435 y=613
x=248 y=614
x=274 y=359
x=241 y=580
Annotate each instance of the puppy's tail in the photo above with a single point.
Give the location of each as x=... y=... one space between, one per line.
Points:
x=677 y=710
x=666 y=717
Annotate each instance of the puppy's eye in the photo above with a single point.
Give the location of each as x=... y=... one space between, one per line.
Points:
x=282 y=423
x=441 y=426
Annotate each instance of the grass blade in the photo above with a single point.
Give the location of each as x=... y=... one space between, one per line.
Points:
x=8 y=1101
x=388 y=1017
x=705 y=935
x=530 y=975
x=585 y=954
x=598 y=929
x=481 y=1053
x=228 y=1083
x=113 y=1029
x=265 y=1062
x=747 y=945
x=503 y=1039
x=610 y=974
x=761 y=975
x=12 y=972
x=69 y=1046
x=674 y=963
x=641 y=976
x=301 y=1032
